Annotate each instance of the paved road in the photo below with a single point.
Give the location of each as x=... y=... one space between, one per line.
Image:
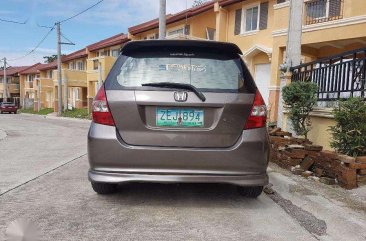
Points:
x=32 y=145
x=64 y=207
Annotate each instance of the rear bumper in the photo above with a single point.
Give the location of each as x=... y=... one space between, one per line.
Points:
x=247 y=180
x=114 y=161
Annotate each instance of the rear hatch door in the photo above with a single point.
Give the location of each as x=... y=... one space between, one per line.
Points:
x=173 y=116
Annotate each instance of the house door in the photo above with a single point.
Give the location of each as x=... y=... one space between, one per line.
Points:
x=262 y=79
x=49 y=99
x=73 y=98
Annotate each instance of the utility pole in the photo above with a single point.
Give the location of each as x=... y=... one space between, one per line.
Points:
x=59 y=75
x=293 y=48
x=5 y=86
x=39 y=94
x=162 y=19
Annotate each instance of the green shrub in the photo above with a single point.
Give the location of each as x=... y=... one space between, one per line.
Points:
x=300 y=98
x=349 y=133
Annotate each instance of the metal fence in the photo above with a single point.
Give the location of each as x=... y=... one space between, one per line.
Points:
x=338 y=77
x=319 y=11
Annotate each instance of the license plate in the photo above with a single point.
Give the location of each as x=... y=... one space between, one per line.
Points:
x=179 y=117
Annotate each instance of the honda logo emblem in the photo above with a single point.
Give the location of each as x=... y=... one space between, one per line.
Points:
x=180 y=96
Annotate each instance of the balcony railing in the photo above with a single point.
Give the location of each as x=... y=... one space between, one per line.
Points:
x=338 y=77
x=13 y=88
x=319 y=11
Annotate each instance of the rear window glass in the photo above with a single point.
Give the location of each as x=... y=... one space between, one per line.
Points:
x=7 y=104
x=205 y=71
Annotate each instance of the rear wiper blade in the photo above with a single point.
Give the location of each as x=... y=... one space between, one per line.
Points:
x=178 y=86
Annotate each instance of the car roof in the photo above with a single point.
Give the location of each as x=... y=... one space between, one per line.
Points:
x=219 y=46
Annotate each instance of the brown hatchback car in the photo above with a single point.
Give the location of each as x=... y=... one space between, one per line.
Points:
x=179 y=111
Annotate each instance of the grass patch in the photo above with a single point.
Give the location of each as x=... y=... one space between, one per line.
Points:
x=45 y=111
x=77 y=113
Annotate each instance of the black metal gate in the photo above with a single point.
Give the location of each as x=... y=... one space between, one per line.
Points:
x=338 y=77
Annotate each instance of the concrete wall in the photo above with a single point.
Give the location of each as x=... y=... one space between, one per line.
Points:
x=321 y=120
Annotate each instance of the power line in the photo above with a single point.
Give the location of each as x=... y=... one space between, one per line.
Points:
x=81 y=12
x=36 y=47
x=12 y=21
x=43 y=26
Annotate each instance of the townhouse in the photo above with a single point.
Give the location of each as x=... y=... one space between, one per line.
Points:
x=74 y=80
x=39 y=86
x=36 y=87
x=195 y=23
x=12 y=80
x=101 y=57
x=333 y=55
x=46 y=86
x=28 y=82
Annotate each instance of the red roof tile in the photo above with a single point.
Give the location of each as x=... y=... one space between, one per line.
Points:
x=31 y=70
x=75 y=55
x=13 y=70
x=108 y=42
x=224 y=3
x=52 y=65
x=146 y=26
x=172 y=18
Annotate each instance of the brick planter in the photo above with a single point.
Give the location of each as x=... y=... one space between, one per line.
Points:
x=303 y=158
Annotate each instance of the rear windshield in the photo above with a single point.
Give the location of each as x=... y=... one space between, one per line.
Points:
x=8 y=104
x=205 y=71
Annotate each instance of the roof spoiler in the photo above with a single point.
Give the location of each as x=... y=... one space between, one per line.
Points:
x=219 y=46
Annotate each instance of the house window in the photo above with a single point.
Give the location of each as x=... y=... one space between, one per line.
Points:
x=210 y=33
x=176 y=31
x=115 y=53
x=250 y=19
x=80 y=65
x=317 y=9
x=72 y=65
x=95 y=64
x=30 y=78
x=49 y=74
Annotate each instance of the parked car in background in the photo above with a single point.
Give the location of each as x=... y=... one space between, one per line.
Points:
x=179 y=111
x=8 y=107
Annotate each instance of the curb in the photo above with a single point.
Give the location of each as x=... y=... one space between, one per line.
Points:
x=53 y=117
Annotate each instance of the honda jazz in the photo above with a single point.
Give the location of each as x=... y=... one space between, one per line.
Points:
x=179 y=111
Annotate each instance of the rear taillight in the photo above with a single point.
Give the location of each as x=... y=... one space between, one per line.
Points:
x=258 y=115
x=101 y=112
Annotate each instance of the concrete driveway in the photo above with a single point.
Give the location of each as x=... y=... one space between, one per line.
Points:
x=45 y=182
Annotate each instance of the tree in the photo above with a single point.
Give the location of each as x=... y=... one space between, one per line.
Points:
x=198 y=2
x=300 y=98
x=51 y=58
x=349 y=132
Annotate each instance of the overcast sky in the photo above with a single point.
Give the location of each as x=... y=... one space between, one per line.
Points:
x=108 y=18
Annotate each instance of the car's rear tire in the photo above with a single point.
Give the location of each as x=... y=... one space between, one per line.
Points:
x=250 y=192
x=104 y=188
